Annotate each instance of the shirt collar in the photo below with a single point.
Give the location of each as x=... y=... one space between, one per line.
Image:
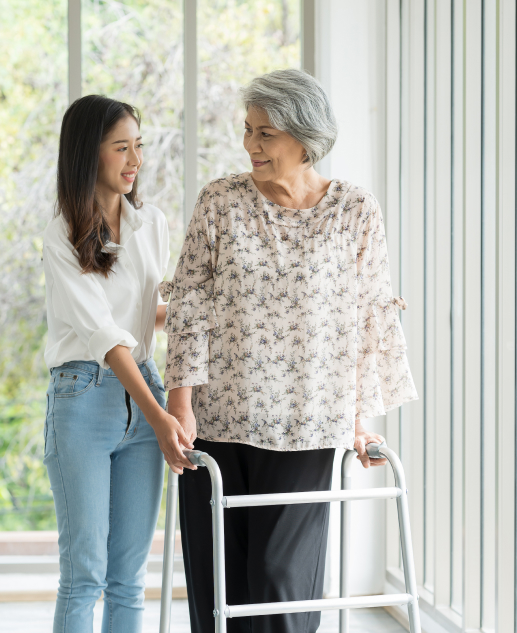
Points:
x=134 y=217
x=131 y=220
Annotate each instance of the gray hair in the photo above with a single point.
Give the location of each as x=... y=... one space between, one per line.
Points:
x=297 y=104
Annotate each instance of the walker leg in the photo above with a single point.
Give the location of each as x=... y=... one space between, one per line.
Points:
x=405 y=541
x=203 y=459
x=409 y=564
x=344 y=587
x=168 y=551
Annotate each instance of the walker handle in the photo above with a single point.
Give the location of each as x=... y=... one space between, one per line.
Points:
x=194 y=457
x=372 y=448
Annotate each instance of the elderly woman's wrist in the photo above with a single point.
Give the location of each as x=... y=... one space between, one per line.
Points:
x=180 y=400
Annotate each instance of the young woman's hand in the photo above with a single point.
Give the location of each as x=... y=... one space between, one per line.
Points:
x=362 y=438
x=172 y=439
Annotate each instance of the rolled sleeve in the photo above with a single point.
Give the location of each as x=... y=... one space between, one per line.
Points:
x=105 y=339
x=79 y=301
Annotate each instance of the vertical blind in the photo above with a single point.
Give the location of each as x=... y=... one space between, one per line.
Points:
x=450 y=218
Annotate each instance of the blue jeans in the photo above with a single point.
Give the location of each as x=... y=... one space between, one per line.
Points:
x=106 y=472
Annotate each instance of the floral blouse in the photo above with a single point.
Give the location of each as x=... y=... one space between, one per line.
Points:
x=283 y=319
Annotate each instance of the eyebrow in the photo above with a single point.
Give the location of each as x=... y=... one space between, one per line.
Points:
x=261 y=127
x=126 y=141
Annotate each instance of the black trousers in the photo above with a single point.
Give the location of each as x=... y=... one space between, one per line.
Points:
x=273 y=553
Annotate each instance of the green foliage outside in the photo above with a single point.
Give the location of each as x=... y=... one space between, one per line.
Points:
x=132 y=51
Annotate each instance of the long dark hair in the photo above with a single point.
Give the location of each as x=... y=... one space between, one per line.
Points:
x=85 y=124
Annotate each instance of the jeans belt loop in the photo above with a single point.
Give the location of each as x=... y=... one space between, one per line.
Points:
x=149 y=373
x=100 y=375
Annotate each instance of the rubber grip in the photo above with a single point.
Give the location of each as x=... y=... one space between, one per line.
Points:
x=194 y=457
x=373 y=449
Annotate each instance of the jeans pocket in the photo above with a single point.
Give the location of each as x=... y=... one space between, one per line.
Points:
x=48 y=428
x=71 y=382
x=158 y=391
x=156 y=376
x=159 y=382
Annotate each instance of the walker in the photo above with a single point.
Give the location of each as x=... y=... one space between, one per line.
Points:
x=220 y=503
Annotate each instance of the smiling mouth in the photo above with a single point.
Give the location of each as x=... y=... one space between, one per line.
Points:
x=129 y=176
x=259 y=163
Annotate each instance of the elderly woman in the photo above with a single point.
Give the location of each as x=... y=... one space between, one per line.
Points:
x=283 y=336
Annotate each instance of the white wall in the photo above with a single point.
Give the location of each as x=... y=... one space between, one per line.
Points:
x=350 y=64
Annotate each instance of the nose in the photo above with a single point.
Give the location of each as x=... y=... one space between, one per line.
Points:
x=133 y=159
x=252 y=144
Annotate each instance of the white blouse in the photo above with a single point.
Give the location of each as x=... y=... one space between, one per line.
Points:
x=283 y=320
x=88 y=314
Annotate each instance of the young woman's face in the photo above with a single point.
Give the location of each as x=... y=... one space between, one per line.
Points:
x=120 y=157
x=274 y=154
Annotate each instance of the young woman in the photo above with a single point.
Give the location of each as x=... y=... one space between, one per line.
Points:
x=104 y=256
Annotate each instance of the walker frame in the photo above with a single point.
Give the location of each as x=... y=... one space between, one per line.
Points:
x=344 y=603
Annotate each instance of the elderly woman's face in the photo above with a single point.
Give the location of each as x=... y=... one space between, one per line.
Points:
x=274 y=154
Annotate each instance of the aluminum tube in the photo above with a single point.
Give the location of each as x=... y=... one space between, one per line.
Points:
x=168 y=551
x=218 y=542
x=382 y=450
x=405 y=541
x=318 y=496
x=344 y=588
x=302 y=606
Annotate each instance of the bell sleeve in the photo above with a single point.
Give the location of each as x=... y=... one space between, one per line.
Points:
x=191 y=311
x=383 y=376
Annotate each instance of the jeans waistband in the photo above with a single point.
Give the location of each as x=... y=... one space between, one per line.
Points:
x=94 y=368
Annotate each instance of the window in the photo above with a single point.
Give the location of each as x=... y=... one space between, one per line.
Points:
x=33 y=98
x=132 y=51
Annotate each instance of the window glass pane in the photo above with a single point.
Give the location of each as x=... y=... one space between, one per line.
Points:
x=33 y=97
x=237 y=40
x=133 y=52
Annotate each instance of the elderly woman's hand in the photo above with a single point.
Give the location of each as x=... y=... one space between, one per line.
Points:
x=362 y=438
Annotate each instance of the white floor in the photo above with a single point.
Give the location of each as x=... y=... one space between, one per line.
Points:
x=36 y=617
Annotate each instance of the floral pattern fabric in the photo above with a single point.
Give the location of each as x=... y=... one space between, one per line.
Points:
x=283 y=320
